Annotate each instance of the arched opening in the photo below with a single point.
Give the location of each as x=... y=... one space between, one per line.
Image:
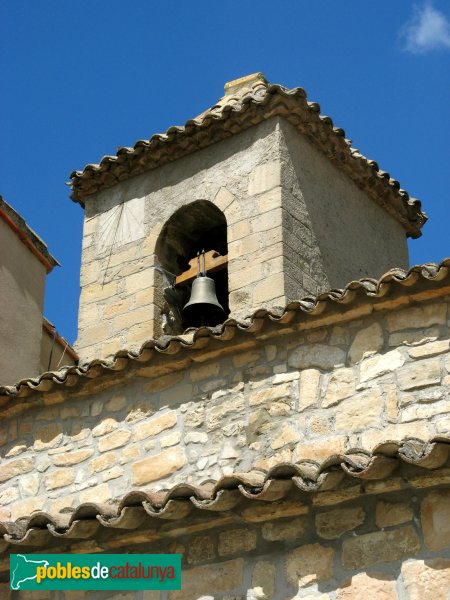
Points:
x=193 y=228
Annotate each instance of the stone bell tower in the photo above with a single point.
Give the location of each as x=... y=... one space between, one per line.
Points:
x=282 y=205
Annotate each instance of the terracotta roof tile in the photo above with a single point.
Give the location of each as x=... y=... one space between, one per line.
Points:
x=231 y=493
x=245 y=104
x=29 y=237
x=366 y=290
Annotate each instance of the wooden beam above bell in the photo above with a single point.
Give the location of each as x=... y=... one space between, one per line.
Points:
x=213 y=262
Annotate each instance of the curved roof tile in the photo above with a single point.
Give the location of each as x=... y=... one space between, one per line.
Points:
x=194 y=339
x=144 y=508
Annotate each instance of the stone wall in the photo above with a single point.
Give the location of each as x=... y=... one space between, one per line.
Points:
x=394 y=546
x=120 y=303
x=288 y=395
x=296 y=226
x=350 y=235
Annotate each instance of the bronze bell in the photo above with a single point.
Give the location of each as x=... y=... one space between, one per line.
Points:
x=203 y=307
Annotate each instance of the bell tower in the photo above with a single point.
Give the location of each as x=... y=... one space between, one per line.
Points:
x=274 y=195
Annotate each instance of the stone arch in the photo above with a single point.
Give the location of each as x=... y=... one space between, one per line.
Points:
x=197 y=226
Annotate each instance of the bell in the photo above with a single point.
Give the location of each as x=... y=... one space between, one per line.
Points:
x=203 y=307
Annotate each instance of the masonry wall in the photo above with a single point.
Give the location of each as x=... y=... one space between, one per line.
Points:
x=235 y=407
x=382 y=544
x=120 y=303
x=22 y=285
x=296 y=226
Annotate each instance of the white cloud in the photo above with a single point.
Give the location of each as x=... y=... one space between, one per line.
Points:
x=428 y=29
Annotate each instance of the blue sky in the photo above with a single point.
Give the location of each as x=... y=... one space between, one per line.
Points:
x=82 y=78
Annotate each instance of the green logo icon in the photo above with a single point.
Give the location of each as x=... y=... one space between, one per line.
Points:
x=95 y=571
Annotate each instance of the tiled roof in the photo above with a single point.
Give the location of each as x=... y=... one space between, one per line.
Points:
x=31 y=239
x=246 y=103
x=430 y=276
x=59 y=339
x=146 y=509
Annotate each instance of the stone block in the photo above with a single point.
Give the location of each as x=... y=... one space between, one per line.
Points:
x=320 y=356
x=332 y=524
x=217 y=577
x=269 y=394
x=29 y=484
x=139 y=281
x=93 y=335
x=155 y=425
x=428 y=578
x=159 y=383
x=417 y=317
x=397 y=432
x=159 y=466
x=309 y=385
x=429 y=349
x=204 y=372
x=369 y=339
x=388 y=514
x=60 y=504
x=15 y=467
x=362 y=411
x=381 y=364
x=246 y=358
x=238 y=231
x=320 y=424
x=48 y=437
x=235 y=541
x=341 y=385
x=24 y=508
x=268 y=290
x=308 y=564
x=380 y=546
x=118 y=307
x=435 y=517
x=264 y=177
x=15 y=450
x=264 y=577
x=59 y=478
x=368 y=586
x=424 y=411
x=195 y=417
x=106 y=426
x=114 y=440
x=223 y=199
x=196 y=437
x=102 y=462
x=170 y=440
x=75 y=457
x=291 y=529
x=8 y=495
x=321 y=449
x=201 y=549
x=419 y=374
x=129 y=453
x=113 y=473
x=415 y=336
x=269 y=200
x=273 y=510
x=287 y=435
x=98 y=494
x=130 y=319
x=228 y=406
